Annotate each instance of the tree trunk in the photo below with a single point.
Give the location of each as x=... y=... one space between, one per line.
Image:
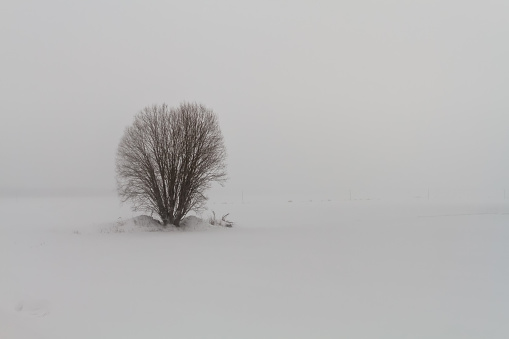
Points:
x=166 y=218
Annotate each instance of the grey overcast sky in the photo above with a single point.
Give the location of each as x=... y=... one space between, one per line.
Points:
x=311 y=95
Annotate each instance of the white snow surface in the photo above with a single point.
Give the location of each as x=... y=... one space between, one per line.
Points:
x=145 y=223
x=87 y=268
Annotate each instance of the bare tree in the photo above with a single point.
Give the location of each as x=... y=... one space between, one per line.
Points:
x=168 y=158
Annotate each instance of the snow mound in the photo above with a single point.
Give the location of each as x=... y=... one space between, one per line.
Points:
x=34 y=308
x=145 y=223
x=193 y=223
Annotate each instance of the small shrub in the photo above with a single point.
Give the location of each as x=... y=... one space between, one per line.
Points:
x=222 y=222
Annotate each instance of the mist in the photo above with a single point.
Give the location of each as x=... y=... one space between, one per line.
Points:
x=311 y=96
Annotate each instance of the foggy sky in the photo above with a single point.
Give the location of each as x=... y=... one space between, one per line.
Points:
x=311 y=95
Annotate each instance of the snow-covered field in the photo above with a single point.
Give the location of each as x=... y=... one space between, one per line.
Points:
x=76 y=268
